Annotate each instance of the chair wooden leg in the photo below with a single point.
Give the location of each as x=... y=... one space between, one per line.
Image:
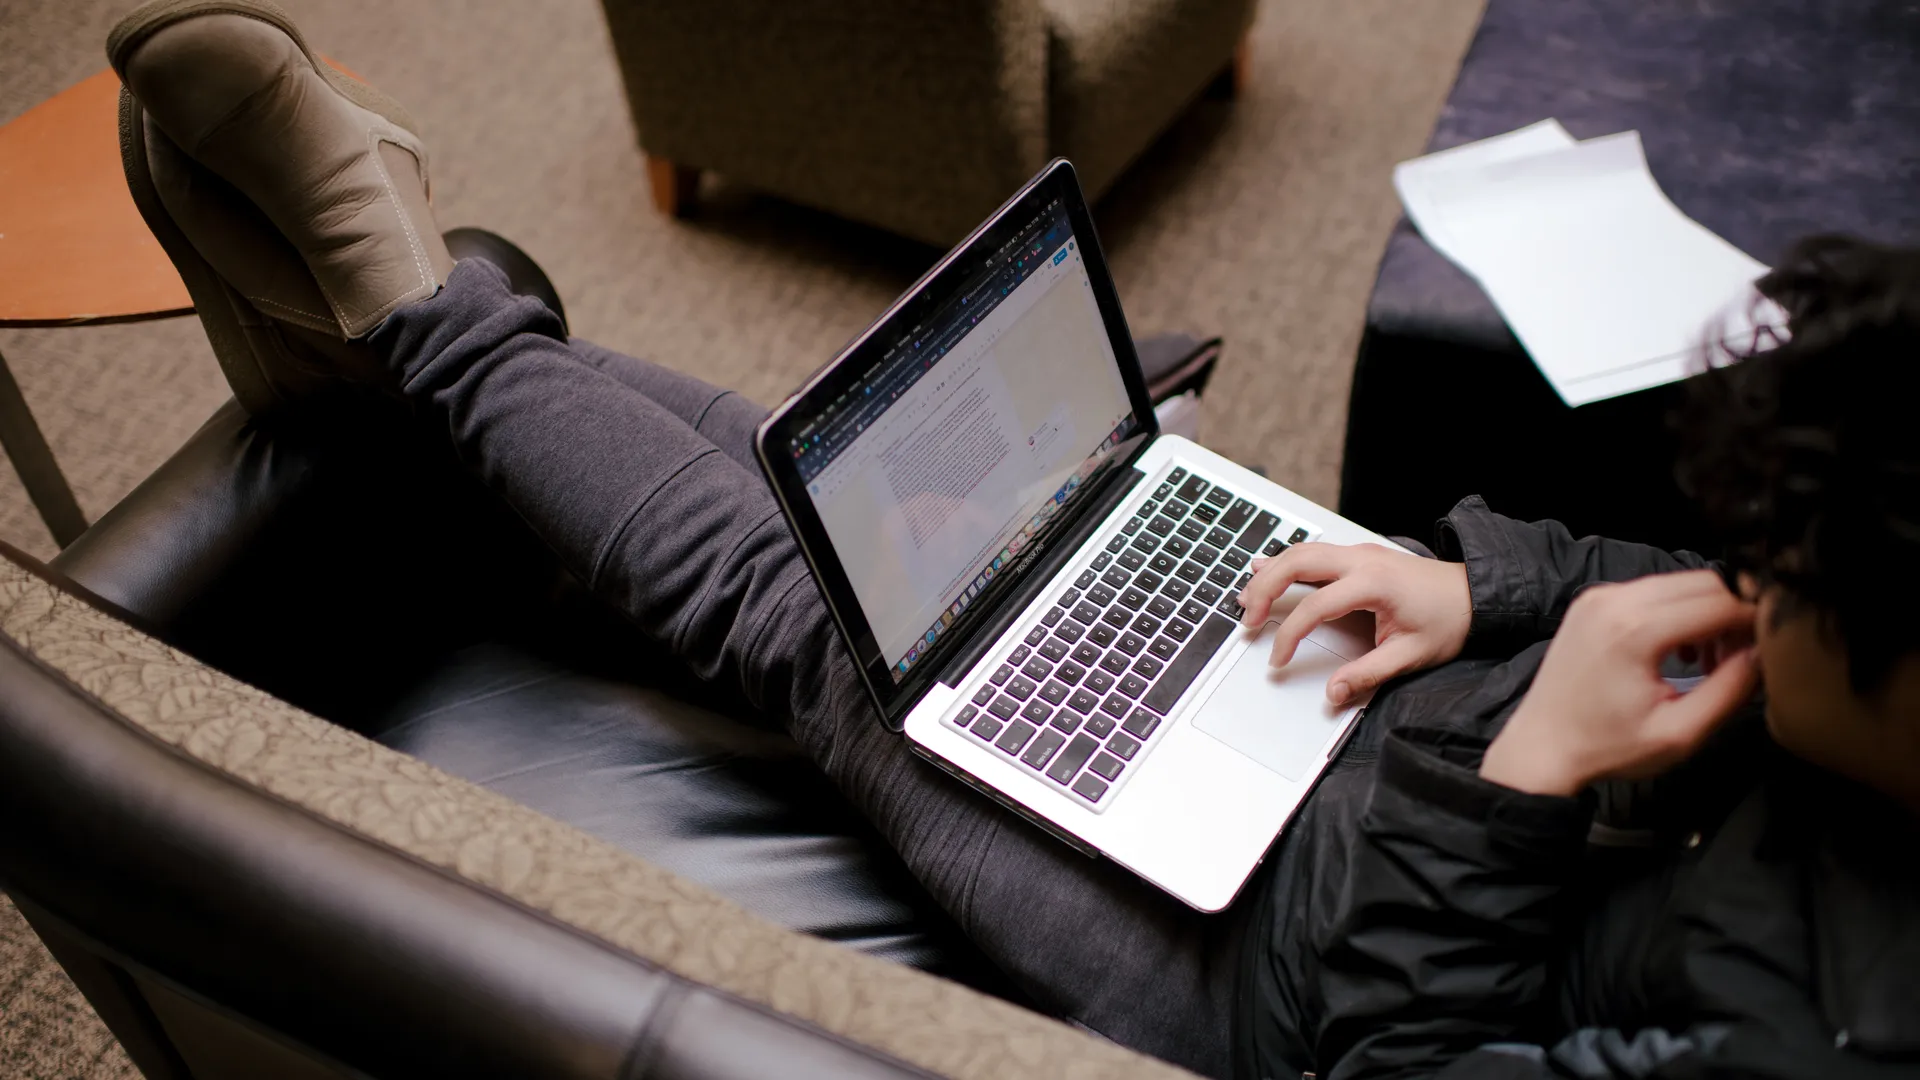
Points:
x=674 y=186
x=1232 y=80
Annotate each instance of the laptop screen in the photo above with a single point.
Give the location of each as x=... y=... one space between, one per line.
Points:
x=945 y=459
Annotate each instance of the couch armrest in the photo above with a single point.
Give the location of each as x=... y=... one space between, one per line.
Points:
x=918 y=117
x=211 y=837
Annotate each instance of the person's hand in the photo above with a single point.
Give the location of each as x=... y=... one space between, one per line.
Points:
x=1598 y=708
x=1422 y=608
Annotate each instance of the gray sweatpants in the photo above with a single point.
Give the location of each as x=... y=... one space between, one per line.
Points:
x=643 y=481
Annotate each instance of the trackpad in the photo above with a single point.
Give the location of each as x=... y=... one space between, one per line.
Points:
x=1279 y=717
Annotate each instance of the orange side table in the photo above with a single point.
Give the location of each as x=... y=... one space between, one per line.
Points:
x=73 y=251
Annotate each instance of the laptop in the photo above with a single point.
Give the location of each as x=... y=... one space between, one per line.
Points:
x=1039 y=588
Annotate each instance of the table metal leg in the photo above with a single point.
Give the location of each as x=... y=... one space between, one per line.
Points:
x=33 y=460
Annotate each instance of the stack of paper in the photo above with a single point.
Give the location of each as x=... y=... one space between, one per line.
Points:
x=1606 y=283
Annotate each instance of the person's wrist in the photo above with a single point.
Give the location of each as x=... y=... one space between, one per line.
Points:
x=1523 y=759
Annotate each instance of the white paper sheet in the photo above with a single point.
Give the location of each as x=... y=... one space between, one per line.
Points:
x=1606 y=283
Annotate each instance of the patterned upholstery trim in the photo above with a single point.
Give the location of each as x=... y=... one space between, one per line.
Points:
x=499 y=845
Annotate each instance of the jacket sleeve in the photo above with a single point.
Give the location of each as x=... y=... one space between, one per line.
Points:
x=1452 y=915
x=1523 y=575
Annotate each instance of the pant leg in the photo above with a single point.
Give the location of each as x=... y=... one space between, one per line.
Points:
x=723 y=416
x=663 y=524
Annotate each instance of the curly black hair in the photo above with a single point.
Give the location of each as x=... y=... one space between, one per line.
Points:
x=1805 y=452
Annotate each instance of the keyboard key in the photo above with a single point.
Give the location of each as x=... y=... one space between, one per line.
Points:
x=1146 y=626
x=1274 y=547
x=1186 y=667
x=1132 y=559
x=1206 y=555
x=1123 y=745
x=1069 y=598
x=1221 y=576
x=1147 y=580
x=1131 y=527
x=1069 y=631
x=1132 y=599
x=1164 y=648
x=1054 y=692
x=1131 y=643
x=1177 y=475
x=1117 y=616
x=1161 y=564
x=1148 y=667
x=1101 y=634
x=1115 y=544
x=1176 y=547
x=1106 y=766
x=1020 y=654
x=1160 y=607
x=1099 y=725
x=1101 y=595
x=1042 y=749
x=1115 y=578
x=1066 y=720
x=1174 y=510
x=1086 y=654
x=1036 y=669
x=1245 y=580
x=1036 y=635
x=1163 y=491
x=1053 y=648
x=1083 y=702
x=1231 y=605
x=1220 y=497
x=1140 y=725
x=1148 y=508
x=1090 y=787
x=1235 y=558
x=1098 y=682
x=1016 y=736
x=1297 y=537
x=1190 y=572
x=984 y=694
x=1086 y=613
x=1176 y=589
x=1193 y=489
x=1193 y=611
x=1220 y=538
x=987 y=727
x=1022 y=688
x=1101 y=560
x=1115 y=663
x=1036 y=712
x=1178 y=630
x=1256 y=534
x=1206 y=593
x=1053 y=617
x=1070 y=759
x=1115 y=706
x=1205 y=513
x=1132 y=685
x=1145 y=542
x=1160 y=526
x=1069 y=673
x=1192 y=529
x=1085 y=579
x=1237 y=517
x=967 y=713
x=1001 y=676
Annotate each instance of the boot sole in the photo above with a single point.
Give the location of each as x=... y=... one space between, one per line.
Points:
x=214 y=300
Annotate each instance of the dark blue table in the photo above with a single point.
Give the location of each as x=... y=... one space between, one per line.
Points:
x=1765 y=120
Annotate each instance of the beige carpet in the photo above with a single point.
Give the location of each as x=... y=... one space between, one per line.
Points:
x=1261 y=220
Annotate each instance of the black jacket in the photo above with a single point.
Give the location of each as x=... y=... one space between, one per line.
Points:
x=1746 y=914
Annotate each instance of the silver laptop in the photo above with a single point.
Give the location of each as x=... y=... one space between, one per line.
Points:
x=1041 y=591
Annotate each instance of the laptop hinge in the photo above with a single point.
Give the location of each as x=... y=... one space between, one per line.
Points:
x=1039 y=576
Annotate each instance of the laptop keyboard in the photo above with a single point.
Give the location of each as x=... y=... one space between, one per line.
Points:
x=1079 y=699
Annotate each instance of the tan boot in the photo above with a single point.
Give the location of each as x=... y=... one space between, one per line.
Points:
x=332 y=165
